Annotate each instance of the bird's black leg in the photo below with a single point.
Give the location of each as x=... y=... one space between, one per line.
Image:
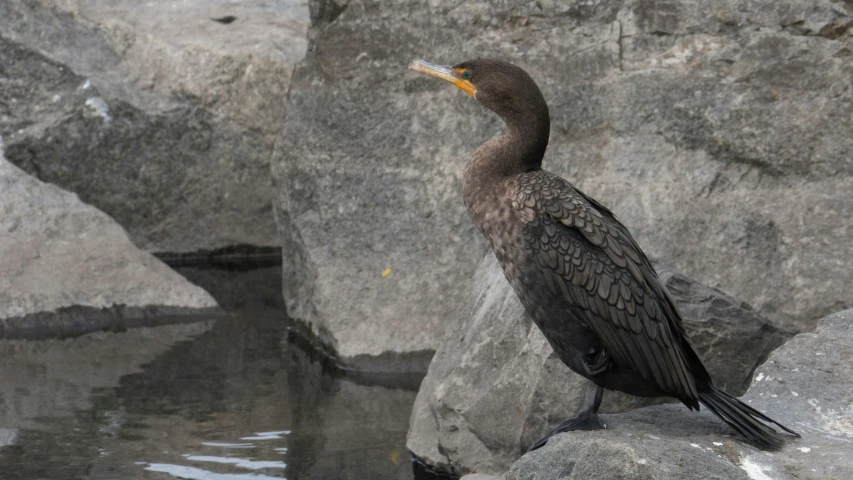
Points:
x=587 y=419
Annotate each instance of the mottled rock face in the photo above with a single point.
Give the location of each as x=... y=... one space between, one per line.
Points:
x=56 y=251
x=805 y=384
x=718 y=132
x=719 y=141
x=152 y=112
x=495 y=386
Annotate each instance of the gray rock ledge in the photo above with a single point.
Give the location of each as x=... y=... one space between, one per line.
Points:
x=805 y=384
x=495 y=386
x=58 y=252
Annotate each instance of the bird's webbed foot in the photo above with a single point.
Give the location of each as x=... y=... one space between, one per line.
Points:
x=586 y=420
x=596 y=363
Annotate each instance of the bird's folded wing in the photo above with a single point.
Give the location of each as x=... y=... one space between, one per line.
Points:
x=590 y=260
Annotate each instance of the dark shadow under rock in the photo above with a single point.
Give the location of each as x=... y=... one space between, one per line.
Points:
x=78 y=320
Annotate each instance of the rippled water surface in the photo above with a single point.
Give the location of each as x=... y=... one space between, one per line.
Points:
x=241 y=397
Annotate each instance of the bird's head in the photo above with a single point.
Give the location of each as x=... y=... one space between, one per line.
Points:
x=499 y=86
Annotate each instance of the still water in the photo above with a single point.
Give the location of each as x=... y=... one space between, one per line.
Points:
x=238 y=398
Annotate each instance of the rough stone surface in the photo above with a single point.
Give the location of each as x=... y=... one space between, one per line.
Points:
x=56 y=251
x=152 y=111
x=717 y=131
x=495 y=386
x=806 y=384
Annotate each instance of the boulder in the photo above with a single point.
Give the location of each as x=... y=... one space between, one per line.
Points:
x=495 y=386
x=152 y=111
x=58 y=252
x=717 y=131
x=805 y=384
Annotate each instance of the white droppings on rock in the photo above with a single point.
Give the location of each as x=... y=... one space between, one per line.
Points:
x=677 y=56
x=795 y=394
x=760 y=377
x=754 y=470
x=642 y=461
x=814 y=403
x=86 y=85
x=719 y=444
x=805 y=449
x=694 y=445
x=100 y=106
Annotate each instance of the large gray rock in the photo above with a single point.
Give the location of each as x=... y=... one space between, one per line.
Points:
x=496 y=386
x=56 y=251
x=152 y=111
x=805 y=384
x=717 y=131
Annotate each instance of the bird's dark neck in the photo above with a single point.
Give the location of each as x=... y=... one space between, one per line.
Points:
x=527 y=139
x=520 y=150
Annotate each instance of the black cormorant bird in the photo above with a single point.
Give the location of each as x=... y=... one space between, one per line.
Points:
x=577 y=270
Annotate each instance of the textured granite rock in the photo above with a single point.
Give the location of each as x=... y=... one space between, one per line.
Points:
x=495 y=386
x=152 y=111
x=717 y=131
x=56 y=251
x=806 y=384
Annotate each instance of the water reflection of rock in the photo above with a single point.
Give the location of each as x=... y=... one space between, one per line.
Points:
x=51 y=391
x=54 y=378
x=348 y=428
x=374 y=448
x=243 y=376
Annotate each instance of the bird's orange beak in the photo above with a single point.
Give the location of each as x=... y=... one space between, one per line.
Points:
x=444 y=73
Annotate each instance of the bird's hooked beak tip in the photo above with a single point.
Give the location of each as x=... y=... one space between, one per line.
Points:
x=445 y=73
x=419 y=65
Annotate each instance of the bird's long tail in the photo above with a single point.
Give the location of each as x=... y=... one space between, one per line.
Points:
x=745 y=419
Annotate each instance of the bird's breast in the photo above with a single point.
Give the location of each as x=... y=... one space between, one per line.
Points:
x=497 y=219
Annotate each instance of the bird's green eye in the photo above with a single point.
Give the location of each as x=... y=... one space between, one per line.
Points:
x=466 y=75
